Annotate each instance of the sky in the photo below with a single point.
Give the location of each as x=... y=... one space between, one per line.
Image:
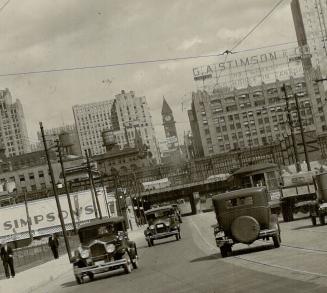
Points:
x=40 y=35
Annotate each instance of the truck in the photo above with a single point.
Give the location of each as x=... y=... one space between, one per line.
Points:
x=298 y=193
x=319 y=209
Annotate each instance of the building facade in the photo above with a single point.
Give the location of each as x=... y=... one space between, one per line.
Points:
x=90 y=120
x=13 y=131
x=226 y=120
x=131 y=113
x=124 y=115
x=310 y=21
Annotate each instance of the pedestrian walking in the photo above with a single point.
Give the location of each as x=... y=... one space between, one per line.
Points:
x=54 y=244
x=7 y=260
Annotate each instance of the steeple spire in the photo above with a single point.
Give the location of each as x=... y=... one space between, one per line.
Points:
x=165 y=107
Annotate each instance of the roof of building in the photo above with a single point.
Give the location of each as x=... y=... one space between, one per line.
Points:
x=255 y=168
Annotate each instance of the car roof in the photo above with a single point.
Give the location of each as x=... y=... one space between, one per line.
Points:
x=102 y=221
x=238 y=193
x=168 y=207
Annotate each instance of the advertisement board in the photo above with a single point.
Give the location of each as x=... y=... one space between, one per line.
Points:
x=44 y=213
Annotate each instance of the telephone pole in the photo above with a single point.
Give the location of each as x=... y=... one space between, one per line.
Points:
x=62 y=223
x=93 y=188
x=290 y=121
x=302 y=133
x=66 y=185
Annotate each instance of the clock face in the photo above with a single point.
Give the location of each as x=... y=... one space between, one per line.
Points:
x=168 y=118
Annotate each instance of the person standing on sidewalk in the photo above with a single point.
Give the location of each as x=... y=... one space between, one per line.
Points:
x=54 y=244
x=7 y=260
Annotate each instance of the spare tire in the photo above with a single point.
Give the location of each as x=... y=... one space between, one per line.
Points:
x=245 y=229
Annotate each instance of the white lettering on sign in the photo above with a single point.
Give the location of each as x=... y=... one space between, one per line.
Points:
x=44 y=213
x=252 y=70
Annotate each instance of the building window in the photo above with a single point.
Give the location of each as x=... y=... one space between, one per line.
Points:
x=41 y=174
x=31 y=176
x=21 y=178
x=33 y=187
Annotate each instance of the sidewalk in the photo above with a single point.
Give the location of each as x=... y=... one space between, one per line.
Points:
x=31 y=279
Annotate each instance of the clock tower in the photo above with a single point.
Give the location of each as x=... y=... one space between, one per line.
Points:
x=168 y=121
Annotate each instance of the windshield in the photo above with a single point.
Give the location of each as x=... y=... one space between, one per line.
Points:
x=161 y=214
x=104 y=232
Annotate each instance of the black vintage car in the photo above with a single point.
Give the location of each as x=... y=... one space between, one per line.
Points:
x=162 y=223
x=244 y=216
x=105 y=246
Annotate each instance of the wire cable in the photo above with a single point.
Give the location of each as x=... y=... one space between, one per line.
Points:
x=4 y=5
x=257 y=25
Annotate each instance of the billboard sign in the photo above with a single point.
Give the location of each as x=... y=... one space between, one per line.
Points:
x=44 y=214
x=252 y=68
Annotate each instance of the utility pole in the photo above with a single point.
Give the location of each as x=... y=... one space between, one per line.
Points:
x=104 y=194
x=66 y=185
x=28 y=218
x=290 y=121
x=302 y=132
x=119 y=210
x=95 y=199
x=56 y=194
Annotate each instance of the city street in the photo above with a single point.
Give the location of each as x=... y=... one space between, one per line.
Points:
x=193 y=264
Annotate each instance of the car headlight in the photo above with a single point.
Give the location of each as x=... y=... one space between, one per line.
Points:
x=85 y=253
x=216 y=230
x=110 y=248
x=220 y=234
x=152 y=227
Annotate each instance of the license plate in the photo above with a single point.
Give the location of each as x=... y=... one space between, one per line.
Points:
x=160 y=226
x=100 y=262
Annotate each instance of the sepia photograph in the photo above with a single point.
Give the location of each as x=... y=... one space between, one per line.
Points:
x=163 y=146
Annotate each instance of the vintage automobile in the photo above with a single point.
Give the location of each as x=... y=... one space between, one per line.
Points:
x=244 y=216
x=104 y=246
x=162 y=223
x=319 y=209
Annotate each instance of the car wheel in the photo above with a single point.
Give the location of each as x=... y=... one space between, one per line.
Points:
x=79 y=280
x=313 y=220
x=128 y=267
x=276 y=240
x=135 y=263
x=91 y=276
x=226 y=250
x=322 y=219
x=287 y=212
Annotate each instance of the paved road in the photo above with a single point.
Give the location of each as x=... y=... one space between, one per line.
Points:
x=193 y=264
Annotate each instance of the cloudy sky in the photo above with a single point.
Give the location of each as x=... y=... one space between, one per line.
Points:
x=53 y=34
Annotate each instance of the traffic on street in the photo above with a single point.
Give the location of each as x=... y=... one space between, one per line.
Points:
x=194 y=263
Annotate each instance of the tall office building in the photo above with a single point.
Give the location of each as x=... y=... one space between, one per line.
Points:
x=130 y=114
x=13 y=131
x=254 y=116
x=124 y=115
x=90 y=120
x=310 y=21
